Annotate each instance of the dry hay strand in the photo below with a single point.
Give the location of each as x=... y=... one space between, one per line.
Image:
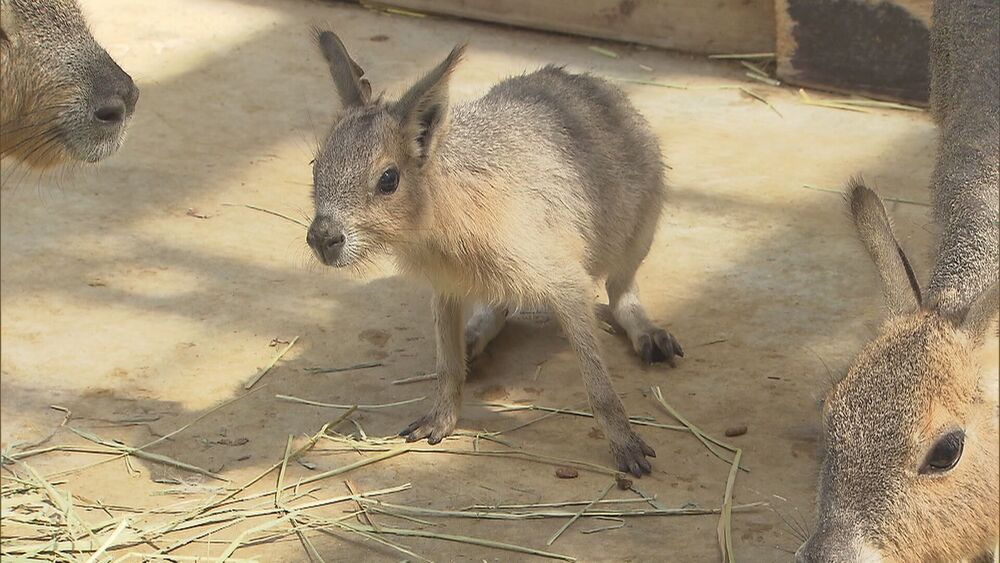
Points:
x=42 y=521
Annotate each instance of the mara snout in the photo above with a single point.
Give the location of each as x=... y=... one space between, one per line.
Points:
x=327 y=241
x=837 y=544
x=63 y=99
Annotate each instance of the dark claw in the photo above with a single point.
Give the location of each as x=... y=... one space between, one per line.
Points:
x=664 y=345
x=425 y=427
x=676 y=346
x=411 y=431
x=631 y=456
x=671 y=344
x=659 y=346
x=645 y=352
x=639 y=467
x=645 y=466
x=648 y=351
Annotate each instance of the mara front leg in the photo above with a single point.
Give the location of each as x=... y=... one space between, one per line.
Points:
x=440 y=421
x=576 y=316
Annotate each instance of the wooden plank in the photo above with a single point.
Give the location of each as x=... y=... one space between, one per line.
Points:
x=878 y=48
x=718 y=26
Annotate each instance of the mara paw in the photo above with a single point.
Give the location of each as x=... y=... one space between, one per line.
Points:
x=630 y=455
x=434 y=426
x=658 y=345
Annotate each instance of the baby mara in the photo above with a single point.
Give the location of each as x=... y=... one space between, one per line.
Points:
x=521 y=198
x=911 y=433
x=62 y=98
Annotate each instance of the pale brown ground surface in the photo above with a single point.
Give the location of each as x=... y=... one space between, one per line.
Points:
x=118 y=304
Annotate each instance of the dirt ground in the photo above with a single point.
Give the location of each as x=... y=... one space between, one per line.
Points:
x=141 y=294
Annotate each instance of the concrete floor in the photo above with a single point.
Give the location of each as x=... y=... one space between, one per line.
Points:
x=117 y=302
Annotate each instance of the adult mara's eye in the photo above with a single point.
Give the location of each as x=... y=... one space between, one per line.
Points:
x=389 y=181
x=945 y=453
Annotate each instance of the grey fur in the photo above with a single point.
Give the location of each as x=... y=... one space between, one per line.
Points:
x=353 y=89
x=899 y=285
x=932 y=368
x=965 y=73
x=523 y=197
x=63 y=98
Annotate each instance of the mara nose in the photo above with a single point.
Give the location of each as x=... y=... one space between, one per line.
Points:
x=110 y=112
x=326 y=239
x=334 y=242
x=114 y=108
x=115 y=96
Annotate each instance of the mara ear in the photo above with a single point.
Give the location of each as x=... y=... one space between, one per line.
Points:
x=981 y=324
x=899 y=284
x=354 y=90
x=423 y=109
x=982 y=317
x=8 y=24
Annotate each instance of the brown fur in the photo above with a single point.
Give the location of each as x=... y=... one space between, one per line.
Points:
x=62 y=98
x=923 y=376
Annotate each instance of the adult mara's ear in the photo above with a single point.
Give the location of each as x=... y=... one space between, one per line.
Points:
x=899 y=284
x=423 y=109
x=354 y=90
x=982 y=324
x=8 y=25
x=981 y=319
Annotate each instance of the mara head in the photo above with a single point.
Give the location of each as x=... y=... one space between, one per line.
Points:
x=371 y=178
x=910 y=433
x=62 y=98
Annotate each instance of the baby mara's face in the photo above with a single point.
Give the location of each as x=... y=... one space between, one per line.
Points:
x=367 y=191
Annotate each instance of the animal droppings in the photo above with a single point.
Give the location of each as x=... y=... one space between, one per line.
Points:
x=567 y=473
x=738 y=430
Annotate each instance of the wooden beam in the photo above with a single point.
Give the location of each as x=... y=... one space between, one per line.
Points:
x=696 y=26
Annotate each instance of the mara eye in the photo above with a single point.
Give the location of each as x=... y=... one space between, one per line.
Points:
x=945 y=453
x=389 y=181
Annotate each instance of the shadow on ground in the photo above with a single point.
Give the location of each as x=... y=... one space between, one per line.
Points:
x=760 y=279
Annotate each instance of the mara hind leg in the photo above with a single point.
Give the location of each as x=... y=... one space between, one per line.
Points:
x=482 y=327
x=651 y=343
